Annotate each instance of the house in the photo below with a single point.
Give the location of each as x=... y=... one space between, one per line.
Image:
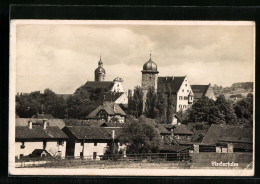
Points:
x=39 y=136
x=229 y=138
x=109 y=112
x=176 y=119
x=90 y=142
x=182 y=133
x=203 y=91
x=164 y=132
x=176 y=86
x=51 y=122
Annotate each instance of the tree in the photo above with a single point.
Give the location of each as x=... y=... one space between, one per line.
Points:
x=151 y=110
x=140 y=136
x=135 y=104
x=244 y=110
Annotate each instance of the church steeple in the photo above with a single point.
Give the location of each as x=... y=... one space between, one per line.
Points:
x=100 y=72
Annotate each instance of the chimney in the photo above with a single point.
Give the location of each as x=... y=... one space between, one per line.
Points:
x=30 y=124
x=113 y=134
x=44 y=124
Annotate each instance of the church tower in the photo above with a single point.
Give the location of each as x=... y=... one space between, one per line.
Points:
x=100 y=72
x=149 y=78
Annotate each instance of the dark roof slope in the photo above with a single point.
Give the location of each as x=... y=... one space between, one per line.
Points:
x=52 y=122
x=104 y=85
x=228 y=133
x=182 y=129
x=173 y=82
x=110 y=108
x=199 y=90
x=92 y=133
x=163 y=130
x=198 y=135
x=111 y=96
x=37 y=132
x=77 y=122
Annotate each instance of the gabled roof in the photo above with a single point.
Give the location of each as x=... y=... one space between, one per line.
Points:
x=112 y=96
x=42 y=116
x=52 y=122
x=198 y=135
x=96 y=85
x=110 y=108
x=228 y=133
x=182 y=129
x=37 y=132
x=92 y=133
x=163 y=130
x=77 y=122
x=174 y=83
x=199 y=90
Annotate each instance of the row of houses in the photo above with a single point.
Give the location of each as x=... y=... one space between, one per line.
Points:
x=93 y=139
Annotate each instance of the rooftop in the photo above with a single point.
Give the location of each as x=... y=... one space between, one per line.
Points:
x=173 y=82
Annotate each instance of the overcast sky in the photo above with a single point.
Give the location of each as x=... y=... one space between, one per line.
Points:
x=63 y=57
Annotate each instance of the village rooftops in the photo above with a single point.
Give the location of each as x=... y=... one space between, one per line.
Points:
x=37 y=132
x=182 y=130
x=110 y=108
x=228 y=133
x=52 y=122
x=104 y=85
x=173 y=82
x=163 y=130
x=90 y=133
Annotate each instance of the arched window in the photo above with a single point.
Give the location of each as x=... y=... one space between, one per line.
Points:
x=180 y=98
x=180 y=106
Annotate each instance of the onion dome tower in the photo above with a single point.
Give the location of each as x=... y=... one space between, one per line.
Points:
x=149 y=78
x=100 y=72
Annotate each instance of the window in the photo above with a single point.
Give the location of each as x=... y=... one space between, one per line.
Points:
x=180 y=106
x=117 y=85
x=186 y=85
x=94 y=155
x=180 y=98
x=185 y=98
x=187 y=90
x=95 y=143
x=182 y=90
x=184 y=106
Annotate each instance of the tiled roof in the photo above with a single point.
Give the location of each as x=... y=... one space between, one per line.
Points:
x=52 y=122
x=162 y=129
x=182 y=129
x=199 y=90
x=37 y=132
x=111 y=96
x=228 y=133
x=112 y=125
x=92 y=133
x=198 y=134
x=173 y=148
x=42 y=116
x=77 y=122
x=107 y=85
x=109 y=108
x=174 y=83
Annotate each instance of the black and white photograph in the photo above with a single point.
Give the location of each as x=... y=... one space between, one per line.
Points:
x=132 y=98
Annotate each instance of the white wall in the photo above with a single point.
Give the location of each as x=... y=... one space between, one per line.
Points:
x=184 y=92
x=78 y=149
x=89 y=149
x=51 y=147
x=123 y=99
x=118 y=87
x=28 y=149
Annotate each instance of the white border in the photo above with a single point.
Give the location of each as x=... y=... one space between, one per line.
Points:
x=109 y=172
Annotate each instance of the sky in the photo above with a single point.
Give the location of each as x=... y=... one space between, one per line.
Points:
x=63 y=56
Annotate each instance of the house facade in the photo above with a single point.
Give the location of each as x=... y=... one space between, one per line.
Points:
x=37 y=137
x=90 y=142
x=203 y=90
x=176 y=86
x=109 y=112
